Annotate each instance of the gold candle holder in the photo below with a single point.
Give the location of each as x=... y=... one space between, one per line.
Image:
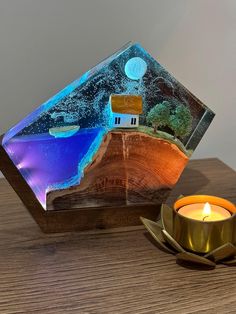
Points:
x=203 y=236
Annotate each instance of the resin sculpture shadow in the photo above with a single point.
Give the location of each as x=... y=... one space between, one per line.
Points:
x=106 y=149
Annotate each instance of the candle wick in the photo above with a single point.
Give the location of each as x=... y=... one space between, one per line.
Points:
x=205 y=217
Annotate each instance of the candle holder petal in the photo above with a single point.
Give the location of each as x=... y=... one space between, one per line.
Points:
x=193 y=258
x=167 y=218
x=158 y=223
x=172 y=241
x=223 y=252
x=155 y=231
x=230 y=262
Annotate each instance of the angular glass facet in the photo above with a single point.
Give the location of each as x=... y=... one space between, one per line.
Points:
x=121 y=134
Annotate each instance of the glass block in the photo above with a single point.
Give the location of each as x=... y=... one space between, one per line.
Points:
x=119 y=135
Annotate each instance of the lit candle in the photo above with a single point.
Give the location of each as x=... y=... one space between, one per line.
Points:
x=202 y=223
x=204 y=212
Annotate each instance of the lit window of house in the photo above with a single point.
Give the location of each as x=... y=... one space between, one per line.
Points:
x=117 y=120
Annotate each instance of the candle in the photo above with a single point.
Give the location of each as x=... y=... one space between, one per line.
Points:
x=202 y=223
x=204 y=212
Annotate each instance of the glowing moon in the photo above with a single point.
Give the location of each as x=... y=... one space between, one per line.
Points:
x=135 y=68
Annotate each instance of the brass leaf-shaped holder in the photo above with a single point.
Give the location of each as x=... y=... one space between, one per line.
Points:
x=162 y=232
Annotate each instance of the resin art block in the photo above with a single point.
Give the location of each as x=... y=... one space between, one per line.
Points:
x=107 y=148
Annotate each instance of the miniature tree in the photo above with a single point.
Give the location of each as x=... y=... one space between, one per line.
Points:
x=181 y=121
x=159 y=115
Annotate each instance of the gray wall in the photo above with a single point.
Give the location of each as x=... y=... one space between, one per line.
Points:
x=48 y=43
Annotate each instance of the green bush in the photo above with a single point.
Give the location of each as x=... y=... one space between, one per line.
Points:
x=180 y=121
x=159 y=115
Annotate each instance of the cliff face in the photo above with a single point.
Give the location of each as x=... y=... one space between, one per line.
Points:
x=129 y=168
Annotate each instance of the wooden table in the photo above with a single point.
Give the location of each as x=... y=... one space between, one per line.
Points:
x=117 y=271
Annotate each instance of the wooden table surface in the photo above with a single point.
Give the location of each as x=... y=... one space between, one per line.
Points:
x=115 y=271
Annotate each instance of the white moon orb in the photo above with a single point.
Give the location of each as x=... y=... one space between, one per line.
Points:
x=135 y=68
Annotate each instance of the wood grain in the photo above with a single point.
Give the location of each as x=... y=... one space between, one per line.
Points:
x=124 y=172
x=109 y=271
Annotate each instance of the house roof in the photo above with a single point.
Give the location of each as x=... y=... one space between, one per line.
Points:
x=130 y=104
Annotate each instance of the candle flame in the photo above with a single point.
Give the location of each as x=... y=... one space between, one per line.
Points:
x=206 y=210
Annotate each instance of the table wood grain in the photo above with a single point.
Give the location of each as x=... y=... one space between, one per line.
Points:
x=113 y=271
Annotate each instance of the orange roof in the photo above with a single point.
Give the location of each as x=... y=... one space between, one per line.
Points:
x=131 y=104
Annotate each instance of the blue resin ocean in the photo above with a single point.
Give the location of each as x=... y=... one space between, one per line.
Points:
x=48 y=163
